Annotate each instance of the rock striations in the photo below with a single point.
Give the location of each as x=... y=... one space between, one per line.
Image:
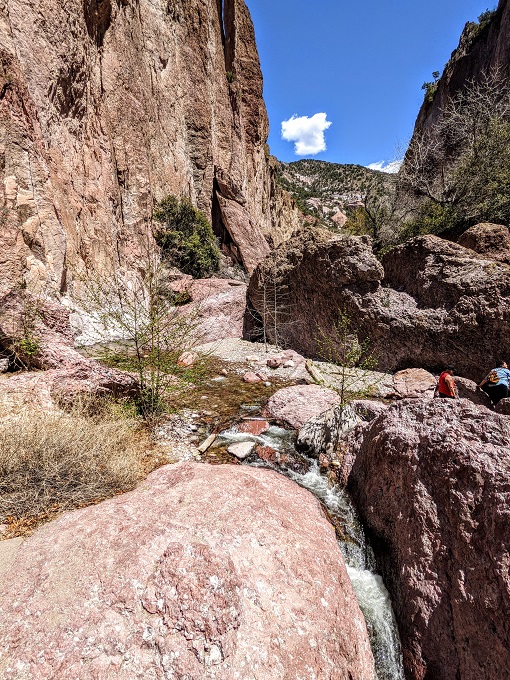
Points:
x=107 y=106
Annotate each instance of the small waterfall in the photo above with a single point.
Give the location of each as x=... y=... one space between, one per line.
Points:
x=373 y=598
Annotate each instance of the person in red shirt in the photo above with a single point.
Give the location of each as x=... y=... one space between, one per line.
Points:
x=446 y=384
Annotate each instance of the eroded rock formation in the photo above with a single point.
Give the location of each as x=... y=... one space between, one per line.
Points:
x=171 y=580
x=490 y=240
x=107 y=106
x=433 y=303
x=432 y=479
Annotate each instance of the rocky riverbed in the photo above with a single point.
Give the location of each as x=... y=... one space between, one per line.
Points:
x=245 y=424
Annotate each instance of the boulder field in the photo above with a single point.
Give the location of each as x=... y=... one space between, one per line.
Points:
x=201 y=572
x=432 y=483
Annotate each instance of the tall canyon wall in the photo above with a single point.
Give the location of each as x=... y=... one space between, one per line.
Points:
x=481 y=49
x=107 y=106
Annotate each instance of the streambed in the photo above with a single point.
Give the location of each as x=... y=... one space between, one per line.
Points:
x=373 y=598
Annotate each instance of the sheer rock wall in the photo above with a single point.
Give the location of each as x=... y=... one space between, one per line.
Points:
x=107 y=106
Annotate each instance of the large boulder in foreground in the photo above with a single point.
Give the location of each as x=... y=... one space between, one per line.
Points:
x=432 y=481
x=202 y=572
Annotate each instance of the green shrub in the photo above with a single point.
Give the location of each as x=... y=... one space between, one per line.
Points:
x=186 y=237
x=432 y=218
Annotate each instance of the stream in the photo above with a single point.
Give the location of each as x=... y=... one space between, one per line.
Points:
x=373 y=598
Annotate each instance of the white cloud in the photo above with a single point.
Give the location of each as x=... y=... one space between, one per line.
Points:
x=307 y=133
x=384 y=166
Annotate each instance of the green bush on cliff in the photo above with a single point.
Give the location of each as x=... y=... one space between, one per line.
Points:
x=185 y=237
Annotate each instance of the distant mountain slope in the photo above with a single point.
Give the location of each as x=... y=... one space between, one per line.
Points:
x=330 y=191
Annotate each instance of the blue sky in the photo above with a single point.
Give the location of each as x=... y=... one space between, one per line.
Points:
x=360 y=62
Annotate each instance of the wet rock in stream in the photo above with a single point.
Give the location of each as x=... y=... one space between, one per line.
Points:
x=241 y=450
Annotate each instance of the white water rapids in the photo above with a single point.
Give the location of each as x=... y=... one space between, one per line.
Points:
x=373 y=598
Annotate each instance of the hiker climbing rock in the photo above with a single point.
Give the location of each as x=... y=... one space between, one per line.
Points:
x=496 y=382
x=446 y=384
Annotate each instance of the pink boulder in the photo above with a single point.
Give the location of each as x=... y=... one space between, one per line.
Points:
x=467 y=389
x=187 y=359
x=53 y=388
x=219 y=306
x=203 y=571
x=267 y=453
x=490 y=240
x=412 y=383
x=295 y=405
x=431 y=480
x=254 y=427
x=251 y=378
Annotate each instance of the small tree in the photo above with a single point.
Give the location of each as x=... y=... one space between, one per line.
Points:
x=352 y=357
x=272 y=302
x=152 y=335
x=185 y=237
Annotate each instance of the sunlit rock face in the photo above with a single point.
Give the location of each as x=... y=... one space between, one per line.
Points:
x=431 y=480
x=469 y=62
x=429 y=302
x=107 y=106
x=202 y=572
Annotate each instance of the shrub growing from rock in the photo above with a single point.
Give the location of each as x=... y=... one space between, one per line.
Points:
x=151 y=334
x=186 y=237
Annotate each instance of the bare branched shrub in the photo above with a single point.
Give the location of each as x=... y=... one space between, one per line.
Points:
x=340 y=345
x=459 y=167
x=274 y=316
x=152 y=334
x=63 y=460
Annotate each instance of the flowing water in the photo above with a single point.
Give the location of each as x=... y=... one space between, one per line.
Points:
x=373 y=598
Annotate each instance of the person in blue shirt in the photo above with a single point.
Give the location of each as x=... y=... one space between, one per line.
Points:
x=496 y=383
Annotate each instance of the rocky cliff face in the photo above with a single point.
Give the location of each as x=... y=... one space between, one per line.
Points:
x=481 y=48
x=106 y=106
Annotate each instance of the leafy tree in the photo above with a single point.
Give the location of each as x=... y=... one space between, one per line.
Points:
x=459 y=168
x=186 y=238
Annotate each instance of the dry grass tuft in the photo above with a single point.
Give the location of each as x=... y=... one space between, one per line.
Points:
x=50 y=462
